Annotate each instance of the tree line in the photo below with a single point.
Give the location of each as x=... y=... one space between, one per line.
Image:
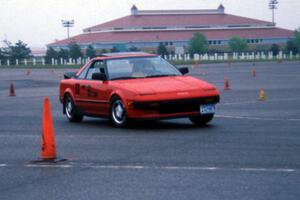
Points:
x=197 y=44
x=13 y=52
x=73 y=51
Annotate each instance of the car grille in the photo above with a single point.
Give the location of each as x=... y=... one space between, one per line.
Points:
x=176 y=106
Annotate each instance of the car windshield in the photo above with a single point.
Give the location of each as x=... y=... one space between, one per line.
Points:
x=140 y=67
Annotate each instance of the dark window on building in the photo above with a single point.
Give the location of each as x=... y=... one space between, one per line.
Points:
x=239 y=26
x=147 y=28
x=197 y=27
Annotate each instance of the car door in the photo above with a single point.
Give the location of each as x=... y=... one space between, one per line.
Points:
x=79 y=88
x=94 y=93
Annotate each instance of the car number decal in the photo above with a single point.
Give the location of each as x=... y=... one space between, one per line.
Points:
x=91 y=93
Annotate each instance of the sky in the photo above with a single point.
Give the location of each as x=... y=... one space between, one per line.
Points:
x=38 y=22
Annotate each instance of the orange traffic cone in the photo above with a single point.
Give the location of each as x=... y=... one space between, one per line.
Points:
x=226 y=84
x=262 y=95
x=11 y=90
x=196 y=64
x=48 y=148
x=28 y=72
x=254 y=72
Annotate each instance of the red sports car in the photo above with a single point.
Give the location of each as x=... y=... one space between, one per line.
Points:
x=125 y=86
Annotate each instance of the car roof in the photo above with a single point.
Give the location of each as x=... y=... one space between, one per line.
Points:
x=107 y=56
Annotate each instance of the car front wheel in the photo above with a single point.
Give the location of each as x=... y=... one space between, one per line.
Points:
x=70 y=110
x=201 y=120
x=118 y=113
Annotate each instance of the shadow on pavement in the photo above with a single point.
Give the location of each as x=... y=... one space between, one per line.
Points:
x=142 y=125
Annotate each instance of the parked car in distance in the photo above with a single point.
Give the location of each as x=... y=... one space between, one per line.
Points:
x=128 y=86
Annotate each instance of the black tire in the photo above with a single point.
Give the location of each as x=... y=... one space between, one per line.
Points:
x=117 y=112
x=201 y=120
x=71 y=111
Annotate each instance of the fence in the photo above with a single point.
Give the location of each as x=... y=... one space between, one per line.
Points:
x=244 y=56
x=42 y=61
x=250 y=56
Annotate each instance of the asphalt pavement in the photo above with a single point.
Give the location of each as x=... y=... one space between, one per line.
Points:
x=250 y=150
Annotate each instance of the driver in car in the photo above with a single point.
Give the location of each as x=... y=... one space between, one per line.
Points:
x=142 y=69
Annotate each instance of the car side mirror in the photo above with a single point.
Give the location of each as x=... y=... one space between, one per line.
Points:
x=99 y=76
x=69 y=75
x=184 y=70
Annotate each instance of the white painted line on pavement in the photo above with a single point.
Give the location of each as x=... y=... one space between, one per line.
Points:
x=24 y=136
x=28 y=96
x=257 y=101
x=265 y=169
x=238 y=103
x=133 y=167
x=190 y=168
x=145 y=167
x=120 y=167
x=256 y=118
x=48 y=165
x=152 y=167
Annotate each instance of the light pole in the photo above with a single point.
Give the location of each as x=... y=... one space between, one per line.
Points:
x=67 y=24
x=273 y=4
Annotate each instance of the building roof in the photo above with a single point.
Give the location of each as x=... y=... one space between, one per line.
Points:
x=139 y=21
x=110 y=37
x=176 y=25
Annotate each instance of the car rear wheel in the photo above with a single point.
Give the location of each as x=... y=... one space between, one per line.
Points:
x=71 y=111
x=118 y=113
x=201 y=120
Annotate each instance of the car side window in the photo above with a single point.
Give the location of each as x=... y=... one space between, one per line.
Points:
x=82 y=75
x=96 y=67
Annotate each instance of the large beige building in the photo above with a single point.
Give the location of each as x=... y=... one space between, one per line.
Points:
x=146 y=29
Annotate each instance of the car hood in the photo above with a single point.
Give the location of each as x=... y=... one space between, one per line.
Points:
x=157 y=85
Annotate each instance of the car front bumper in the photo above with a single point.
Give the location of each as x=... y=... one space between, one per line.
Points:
x=169 y=108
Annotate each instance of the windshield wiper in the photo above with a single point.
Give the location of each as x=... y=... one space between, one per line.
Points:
x=150 y=76
x=124 y=77
x=160 y=75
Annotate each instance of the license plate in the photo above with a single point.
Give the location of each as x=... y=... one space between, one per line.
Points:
x=207 y=109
